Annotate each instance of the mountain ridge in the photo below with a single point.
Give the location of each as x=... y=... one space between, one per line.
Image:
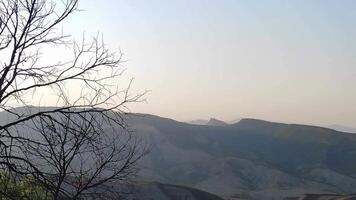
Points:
x=294 y=155
x=253 y=158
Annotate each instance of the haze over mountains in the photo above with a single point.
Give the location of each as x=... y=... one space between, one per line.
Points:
x=342 y=128
x=254 y=159
x=250 y=159
x=214 y=121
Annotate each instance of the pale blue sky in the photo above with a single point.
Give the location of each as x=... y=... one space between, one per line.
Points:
x=290 y=61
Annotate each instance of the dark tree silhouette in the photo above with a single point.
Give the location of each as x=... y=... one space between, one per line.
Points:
x=82 y=142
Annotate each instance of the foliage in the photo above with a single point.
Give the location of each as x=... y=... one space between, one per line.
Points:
x=21 y=188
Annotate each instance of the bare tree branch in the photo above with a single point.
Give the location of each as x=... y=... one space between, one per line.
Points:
x=81 y=144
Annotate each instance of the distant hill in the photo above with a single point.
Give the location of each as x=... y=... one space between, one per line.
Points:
x=210 y=122
x=198 y=122
x=343 y=128
x=216 y=122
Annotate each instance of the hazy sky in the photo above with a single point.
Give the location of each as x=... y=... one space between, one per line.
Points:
x=289 y=61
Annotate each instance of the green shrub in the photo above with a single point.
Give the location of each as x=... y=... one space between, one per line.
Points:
x=21 y=188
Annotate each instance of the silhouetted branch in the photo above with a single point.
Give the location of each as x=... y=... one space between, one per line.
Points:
x=56 y=146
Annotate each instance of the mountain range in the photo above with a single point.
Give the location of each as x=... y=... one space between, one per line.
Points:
x=250 y=159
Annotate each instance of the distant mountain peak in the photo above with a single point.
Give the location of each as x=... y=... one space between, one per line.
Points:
x=198 y=122
x=216 y=122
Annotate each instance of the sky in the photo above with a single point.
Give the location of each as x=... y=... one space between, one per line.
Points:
x=278 y=60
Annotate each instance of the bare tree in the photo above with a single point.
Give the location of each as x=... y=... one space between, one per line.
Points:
x=76 y=153
x=65 y=137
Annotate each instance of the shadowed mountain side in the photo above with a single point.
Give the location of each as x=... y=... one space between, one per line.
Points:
x=252 y=158
x=323 y=197
x=159 y=191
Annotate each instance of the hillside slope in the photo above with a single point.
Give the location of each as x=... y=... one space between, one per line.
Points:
x=159 y=191
x=253 y=158
x=324 y=197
